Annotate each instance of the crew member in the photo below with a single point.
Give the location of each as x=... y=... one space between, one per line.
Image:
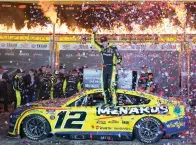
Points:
x=111 y=57
x=45 y=90
x=72 y=85
x=58 y=85
x=4 y=79
x=146 y=80
x=19 y=87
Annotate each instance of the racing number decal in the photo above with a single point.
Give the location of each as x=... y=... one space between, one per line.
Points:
x=69 y=124
x=69 y=121
x=60 y=119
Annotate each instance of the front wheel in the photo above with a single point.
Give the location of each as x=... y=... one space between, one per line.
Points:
x=149 y=130
x=36 y=127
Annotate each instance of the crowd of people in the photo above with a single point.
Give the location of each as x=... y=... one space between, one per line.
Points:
x=42 y=84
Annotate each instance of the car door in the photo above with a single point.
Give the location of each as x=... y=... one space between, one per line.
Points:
x=129 y=105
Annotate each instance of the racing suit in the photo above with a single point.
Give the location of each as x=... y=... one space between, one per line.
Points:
x=71 y=86
x=45 y=90
x=19 y=88
x=58 y=85
x=110 y=57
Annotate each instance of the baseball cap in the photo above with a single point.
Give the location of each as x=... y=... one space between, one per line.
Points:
x=103 y=39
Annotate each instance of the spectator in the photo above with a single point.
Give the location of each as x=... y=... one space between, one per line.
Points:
x=32 y=88
x=4 y=79
x=146 y=80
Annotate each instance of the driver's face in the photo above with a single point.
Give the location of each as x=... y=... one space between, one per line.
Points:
x=105 y=44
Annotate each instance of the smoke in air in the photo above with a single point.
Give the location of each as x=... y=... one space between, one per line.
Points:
x=49 y=11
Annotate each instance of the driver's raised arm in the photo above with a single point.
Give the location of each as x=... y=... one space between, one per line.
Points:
x=93 y=40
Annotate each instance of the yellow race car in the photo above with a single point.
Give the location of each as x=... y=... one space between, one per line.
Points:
x=136 y=114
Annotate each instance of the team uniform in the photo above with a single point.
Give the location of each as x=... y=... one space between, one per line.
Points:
x=19 y=88
x=71 y=86
x=45 y=90
x=110 y=57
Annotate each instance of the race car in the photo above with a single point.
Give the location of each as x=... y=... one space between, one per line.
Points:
x=140 y=115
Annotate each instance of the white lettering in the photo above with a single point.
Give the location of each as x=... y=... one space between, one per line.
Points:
x=164 y=109
x=154 y=110
x=113 y=112
x=123 y=110
x=24 y=54
x=103 y=111
x=144 y=110
x=134 y=111
x=9 y=54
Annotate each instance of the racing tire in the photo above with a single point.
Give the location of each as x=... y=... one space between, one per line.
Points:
x=36 y=127
x=149 y=130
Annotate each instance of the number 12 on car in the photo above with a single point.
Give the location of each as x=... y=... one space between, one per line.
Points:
x=69 y=123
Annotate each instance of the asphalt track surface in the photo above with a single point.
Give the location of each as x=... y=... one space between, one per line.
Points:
x=54 y=140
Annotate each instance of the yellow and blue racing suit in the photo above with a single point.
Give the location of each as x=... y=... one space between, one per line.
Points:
x=110 y=57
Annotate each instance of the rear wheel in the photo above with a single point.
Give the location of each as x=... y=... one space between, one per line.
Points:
x=36 y=127
x=149 y=130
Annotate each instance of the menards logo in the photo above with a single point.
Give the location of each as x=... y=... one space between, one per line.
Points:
x=132 y=110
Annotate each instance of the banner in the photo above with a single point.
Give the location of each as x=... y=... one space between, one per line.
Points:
x=125 y=47
x=23 y=45
x=23 y=55
x=92 y=79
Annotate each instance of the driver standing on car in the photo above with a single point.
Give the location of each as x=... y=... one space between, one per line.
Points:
x=111 y=58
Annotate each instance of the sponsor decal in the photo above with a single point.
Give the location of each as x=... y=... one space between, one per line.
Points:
x=23 y=54
x=35 y=111
x=37 y=54
x=39 y=45
x=100 y=122
x=42 y=45
x=132 y=110
x=177 y=110
x=9 y=54
x=69 y=55
x=113 y=121
x=177 y=124
x=50 y=111
x=11 y=45
x=121 y=128
x=3 y=45
x=125 y=122
x=105 y=128
x=24 y=45
x=33 y=46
